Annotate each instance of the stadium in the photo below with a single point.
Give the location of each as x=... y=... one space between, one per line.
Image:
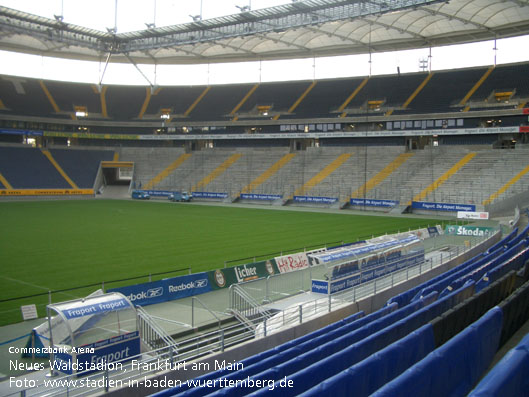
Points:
x=306 y=197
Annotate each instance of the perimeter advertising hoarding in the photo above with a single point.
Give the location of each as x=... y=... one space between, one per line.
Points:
x=156 y=193
x=421 y=205
x=472 y=215
x=46 y=192
x=100 y=354
x=331 y=287
x=292 y=262
x=211 y=195
x=21 y=132
x=476 y=231
x=374 y=203
x=320 y=286
x=316 y=200
x=280 y=135
x=166 y=290
x=253 y=196
x=223 y=278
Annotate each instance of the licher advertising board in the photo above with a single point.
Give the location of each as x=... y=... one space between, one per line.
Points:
x=222 y=278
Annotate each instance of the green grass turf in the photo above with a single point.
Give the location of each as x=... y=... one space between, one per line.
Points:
x=55 y=245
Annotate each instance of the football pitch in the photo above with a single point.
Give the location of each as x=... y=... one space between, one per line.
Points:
x=60 y=245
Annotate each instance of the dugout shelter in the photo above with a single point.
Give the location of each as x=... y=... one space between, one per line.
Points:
x=90 y=333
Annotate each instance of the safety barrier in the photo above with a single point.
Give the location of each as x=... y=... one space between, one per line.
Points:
x=151 y=333
x=245 y=308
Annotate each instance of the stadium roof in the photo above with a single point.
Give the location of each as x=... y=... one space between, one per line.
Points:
x=301 y=29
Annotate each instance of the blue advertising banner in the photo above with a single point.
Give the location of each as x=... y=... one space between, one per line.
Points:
x=320 y=286
x=252 y=196
x=348 y=282
x=374 y=203
x=96 y=308
x=421 y=205
x=21 y=132
x=319 y=200
x=156 y=193
x=433 y=231
x=144 y=294
x=184 y=286
x=166 y=289
x=213 y=195
x=97 y=356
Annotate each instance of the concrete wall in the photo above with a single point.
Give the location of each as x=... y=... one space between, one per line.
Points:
x=506 y=207
x=250 y=348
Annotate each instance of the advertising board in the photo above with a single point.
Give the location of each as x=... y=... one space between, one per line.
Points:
x=166 y=289
x=223 y=278
x=99 y=355
x=292 y=262
x=210 y=195
x=373 y=202
x=472 y=215
x=253 y=196
x=316 y=200
x=475 y=231
x=422 y=205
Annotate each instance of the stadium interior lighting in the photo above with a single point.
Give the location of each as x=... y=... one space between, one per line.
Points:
x=165 y=116
x=81 y=113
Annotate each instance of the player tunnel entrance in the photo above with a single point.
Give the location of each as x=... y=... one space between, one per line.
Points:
x=117 y=172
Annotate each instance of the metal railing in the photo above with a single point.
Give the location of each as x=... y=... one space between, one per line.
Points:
x=196 y=299
x=150 y=332
x=246 y=308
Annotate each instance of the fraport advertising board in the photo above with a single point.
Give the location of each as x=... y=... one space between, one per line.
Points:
x=314 y=199
x=422 y=205
x=373 y=202
x=99 y=355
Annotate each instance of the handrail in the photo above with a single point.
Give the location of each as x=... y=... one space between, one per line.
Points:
x=150 y=332
x=195 y=298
